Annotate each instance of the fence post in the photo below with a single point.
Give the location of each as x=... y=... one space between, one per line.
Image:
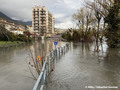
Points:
x=48 y=63
x=50 y=60
x=56 y=52
x=48 y=66
x=64 y=50
x=59 y=52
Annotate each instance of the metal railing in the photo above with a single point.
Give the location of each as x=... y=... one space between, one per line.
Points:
x=48 y=66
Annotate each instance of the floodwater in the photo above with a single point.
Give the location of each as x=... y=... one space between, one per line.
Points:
x=84 y=66
x=14 y=71
x=81 y=66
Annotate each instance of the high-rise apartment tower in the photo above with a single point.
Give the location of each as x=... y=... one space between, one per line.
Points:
x=42 y=21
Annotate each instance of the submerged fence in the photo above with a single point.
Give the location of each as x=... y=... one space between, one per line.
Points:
x=48 y=66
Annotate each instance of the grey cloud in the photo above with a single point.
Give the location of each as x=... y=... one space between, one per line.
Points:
x=21 y=9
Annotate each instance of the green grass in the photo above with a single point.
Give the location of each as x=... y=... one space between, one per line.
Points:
x=9 y=43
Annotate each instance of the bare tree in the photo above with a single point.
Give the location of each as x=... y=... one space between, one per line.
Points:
x=97 y=8
x=104 y=11
x=84 y=18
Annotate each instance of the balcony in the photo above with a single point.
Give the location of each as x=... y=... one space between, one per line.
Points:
x=43 y=25
x=36 y=20
x=36 y=11
x=36 y=16
x=36 y=25
x=42 y=11
x=44 y=16
x=43 y=20
x=36 y=28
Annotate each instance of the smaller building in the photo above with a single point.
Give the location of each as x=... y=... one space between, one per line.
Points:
x=30 y=29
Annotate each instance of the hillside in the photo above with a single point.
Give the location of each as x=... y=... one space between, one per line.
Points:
x=2 y=15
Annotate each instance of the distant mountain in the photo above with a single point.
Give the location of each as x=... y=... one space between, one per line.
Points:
x=28 y=23
x=2 y=15
x=23 y=23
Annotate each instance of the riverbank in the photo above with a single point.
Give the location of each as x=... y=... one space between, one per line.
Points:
x=9 y=43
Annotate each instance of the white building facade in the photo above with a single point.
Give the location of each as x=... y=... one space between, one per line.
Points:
x=42 y=21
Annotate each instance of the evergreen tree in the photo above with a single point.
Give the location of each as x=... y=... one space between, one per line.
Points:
x=113 y=21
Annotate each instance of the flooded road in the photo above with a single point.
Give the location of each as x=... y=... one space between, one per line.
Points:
x=14 y=72
x=82 y=67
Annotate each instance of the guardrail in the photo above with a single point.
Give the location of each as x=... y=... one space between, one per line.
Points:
x=48 y=66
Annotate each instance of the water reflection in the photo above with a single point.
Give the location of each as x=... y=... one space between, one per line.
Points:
x=84 y=66
x=81 y=66
x=40 y=48
x=6 y=53
x=14 y=71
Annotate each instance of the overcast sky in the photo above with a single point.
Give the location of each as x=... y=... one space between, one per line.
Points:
x=61 y=9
